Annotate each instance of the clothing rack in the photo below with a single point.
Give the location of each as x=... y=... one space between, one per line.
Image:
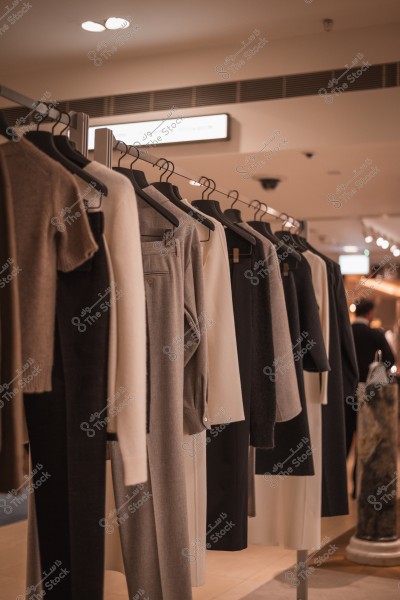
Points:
x=105 y=143
x=78 y=122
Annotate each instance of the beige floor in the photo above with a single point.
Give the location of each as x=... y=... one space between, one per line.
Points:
x=230 y=576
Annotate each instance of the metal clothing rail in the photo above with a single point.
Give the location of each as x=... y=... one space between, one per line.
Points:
x=77 y=122
x=105 y=143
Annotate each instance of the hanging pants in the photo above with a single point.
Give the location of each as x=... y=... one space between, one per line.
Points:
x=70 y=498
x=152 y=517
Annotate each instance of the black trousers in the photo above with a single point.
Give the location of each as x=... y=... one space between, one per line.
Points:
x=70 y=500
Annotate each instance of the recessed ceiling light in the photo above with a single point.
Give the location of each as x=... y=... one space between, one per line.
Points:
x=353 y=308
x=385 y=244
x=116 y=23
x=350 y=248
x=396 y=252
x=92 y=26
x=379 y=241
x=368 y=239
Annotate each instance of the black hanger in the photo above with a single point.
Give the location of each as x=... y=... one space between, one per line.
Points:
x=5 y=129
x=265 y=229
x=300 y=242
x=130 y=174
x=169 y=192
x=212 y=208
x=165 y=187
x=286 y=235
x=139 y=176
x=65 y=146
x=45 y=142
x=233 y=214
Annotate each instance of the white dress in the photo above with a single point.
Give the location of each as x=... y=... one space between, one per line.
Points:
x=289 y=507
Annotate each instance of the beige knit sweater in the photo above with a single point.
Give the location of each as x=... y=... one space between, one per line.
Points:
x=52 y=232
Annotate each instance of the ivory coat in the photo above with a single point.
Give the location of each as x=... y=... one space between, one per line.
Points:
x=289 y=508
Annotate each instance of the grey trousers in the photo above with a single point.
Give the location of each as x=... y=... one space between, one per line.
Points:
x=153 y=523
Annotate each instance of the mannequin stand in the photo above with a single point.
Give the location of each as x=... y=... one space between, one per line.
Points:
x=376 y=541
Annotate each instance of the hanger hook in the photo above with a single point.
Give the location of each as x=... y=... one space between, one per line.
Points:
x=208 y=184
x=257 y=206
x=172 y=170
x=165 y=162
x=58 y=120
x=136 y=157
x=259 y=209
x=284 y=221
x=236 y=198
x=125 y=153
x=68 y=124
x=44 y=115
x=264 y=212
x=212 y=188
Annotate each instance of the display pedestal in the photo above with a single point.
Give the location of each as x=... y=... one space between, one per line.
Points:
x=379 y=554
x=375 y=541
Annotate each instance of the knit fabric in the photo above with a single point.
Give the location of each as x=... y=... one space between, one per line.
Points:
x=52 y=232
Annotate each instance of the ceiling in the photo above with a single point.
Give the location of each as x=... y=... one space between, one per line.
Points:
x=50 y=31
x=357 y=127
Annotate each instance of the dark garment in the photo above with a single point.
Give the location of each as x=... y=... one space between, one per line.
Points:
x=348 y=351
x=291 y=432
x=69 y=439
x=227 y=456
x=315 y=359
x=334 y=454
x=367 y=342
x=334 y=451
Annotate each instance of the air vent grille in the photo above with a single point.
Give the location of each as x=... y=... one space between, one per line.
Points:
x=232 y=92
x=306 y=84
x=166 y=99
x=94 y=107
x=126 y=104
x=392 y=72
x=370 y=79
x=269 y=88
x=216 y=93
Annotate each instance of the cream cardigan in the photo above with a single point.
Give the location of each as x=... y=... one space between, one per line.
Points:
x=127 y=342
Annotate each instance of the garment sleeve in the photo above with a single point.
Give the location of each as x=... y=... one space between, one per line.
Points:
x=224 y=398
x=320 y=282
x=349 y=357
x=315 y=358
x=263 y=386
x=288 y=403
x=123 y=238
x=69 y=221
x=195 y=358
